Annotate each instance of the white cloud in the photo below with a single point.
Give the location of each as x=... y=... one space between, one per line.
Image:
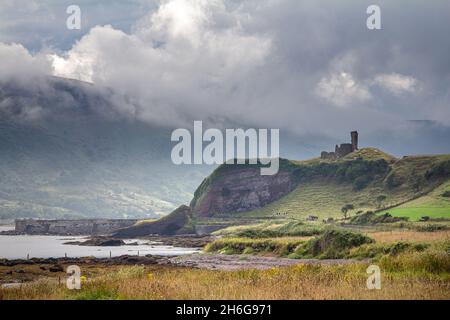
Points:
x=18 y=64
x=179 y=59
x=397 y=83
x=342 y=90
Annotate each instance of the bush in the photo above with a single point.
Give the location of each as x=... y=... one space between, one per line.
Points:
x=372 y=218
x=361 y=182
x=442 y=170
x=378 y=250
x=393 y=181
x=252 y=246
x=446 y=194
x=290 y=229
x=362 y=170
x=432 y=228
x=333 y=244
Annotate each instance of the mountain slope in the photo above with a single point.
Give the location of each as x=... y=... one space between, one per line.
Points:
x=77 y=158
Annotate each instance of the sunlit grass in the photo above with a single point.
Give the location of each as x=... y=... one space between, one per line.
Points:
x=399 y=281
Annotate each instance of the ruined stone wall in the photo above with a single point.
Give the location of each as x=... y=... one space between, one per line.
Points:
x=72 y=227
x=343 y=149
x=354 y=135
x=328 y=155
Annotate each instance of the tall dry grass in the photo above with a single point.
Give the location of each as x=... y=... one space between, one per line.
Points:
x=297 y=282
x=411 y=236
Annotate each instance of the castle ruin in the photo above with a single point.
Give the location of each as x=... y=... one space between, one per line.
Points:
x=343 y=149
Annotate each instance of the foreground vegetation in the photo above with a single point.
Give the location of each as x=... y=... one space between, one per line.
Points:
x=401 y=279
x=342 y=244
x=414 y=265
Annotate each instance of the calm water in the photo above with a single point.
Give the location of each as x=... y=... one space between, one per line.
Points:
x=18 y=247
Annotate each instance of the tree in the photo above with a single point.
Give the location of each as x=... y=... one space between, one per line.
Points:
x=346 y=208
x=380 y=200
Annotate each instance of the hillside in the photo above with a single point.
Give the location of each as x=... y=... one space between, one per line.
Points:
x=369 y=179
x=79 y=159
x=403 y=181
x=174 y=223
x=320 y=187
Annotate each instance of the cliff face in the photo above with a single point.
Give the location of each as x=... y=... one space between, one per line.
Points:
x=239 y=189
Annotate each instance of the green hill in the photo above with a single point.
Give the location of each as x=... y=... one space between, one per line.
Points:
x=81 y=160
x=369 y=179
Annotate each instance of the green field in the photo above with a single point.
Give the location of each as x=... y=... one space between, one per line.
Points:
x=433 y=205
x=414 y=214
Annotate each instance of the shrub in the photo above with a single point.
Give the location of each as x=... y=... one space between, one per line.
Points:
x=393 y=181
x=361 y=182
x=250 y=246
x=446 y=194
x=372 y=218
x=432 y=228
x=333 y=244
x=442 y=170
x=378 y=250
x=290 y=229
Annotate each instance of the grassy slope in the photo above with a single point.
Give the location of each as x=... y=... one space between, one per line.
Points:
x=325 y=198
x=320 y=198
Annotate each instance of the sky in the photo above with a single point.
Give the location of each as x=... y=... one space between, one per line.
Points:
x=310 y=68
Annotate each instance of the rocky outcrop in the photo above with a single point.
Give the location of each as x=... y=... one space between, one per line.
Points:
x=57 y=263
x=234 y=189
x=174 y=223
x=98 y=242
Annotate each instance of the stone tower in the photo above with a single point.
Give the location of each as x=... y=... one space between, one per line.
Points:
x=354 y=135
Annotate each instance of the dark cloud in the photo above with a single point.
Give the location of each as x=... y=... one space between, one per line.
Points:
x=310 y=68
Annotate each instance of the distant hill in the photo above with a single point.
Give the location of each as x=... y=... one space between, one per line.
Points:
x=79 y=159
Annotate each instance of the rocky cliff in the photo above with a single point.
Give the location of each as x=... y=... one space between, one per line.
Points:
x=240 y=188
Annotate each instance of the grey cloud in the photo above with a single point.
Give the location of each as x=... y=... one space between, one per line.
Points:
x=263 y=63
